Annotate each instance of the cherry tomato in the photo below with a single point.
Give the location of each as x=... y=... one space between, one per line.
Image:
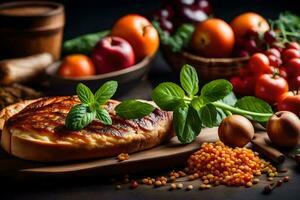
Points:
x=289 y=54
x=259 y=64
x=272 y=51
x=294 y=83
x=293 y=45
x=243 y=86
x=76 y=65
x=270 y=87
x=293 y=67
x=274 y=61
x=290 y=102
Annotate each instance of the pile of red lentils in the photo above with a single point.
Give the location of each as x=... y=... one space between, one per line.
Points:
x=216 y=163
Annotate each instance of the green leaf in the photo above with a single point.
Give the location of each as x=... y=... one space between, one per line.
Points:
x=197 y=103
x=189 y=80
x=220 y=116
x=230 y=99
x=84 y=94
x=208 y=115
x=187 y=124
x=132 y=109
x=106 y=91
x=103 y=116
x=216 y=90
x=254 y=104
x=168 y=96
x=79 y=117
x=83 y=44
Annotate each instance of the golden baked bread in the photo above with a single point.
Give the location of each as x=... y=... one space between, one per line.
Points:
x=38 y=133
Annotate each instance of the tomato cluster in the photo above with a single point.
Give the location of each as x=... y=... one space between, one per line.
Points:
x=270 y=75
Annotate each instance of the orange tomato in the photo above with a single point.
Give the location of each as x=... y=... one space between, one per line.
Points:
x=213 y=38
x=139 y=32
x=246 y=21
x=76 y=65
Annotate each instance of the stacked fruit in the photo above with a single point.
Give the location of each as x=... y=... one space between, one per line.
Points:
x=176 y=12
x=270 y=75
x=132 y=38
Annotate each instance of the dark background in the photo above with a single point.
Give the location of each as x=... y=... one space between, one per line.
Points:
x=85 y=16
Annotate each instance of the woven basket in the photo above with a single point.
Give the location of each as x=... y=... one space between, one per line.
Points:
x=208 y=68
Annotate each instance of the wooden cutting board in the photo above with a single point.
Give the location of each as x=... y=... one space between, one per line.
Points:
x=169 y=154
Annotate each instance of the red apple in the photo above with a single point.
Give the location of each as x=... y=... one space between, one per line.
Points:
x=111 y=54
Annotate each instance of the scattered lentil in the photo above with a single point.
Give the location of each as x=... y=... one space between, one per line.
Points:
x=123 y=156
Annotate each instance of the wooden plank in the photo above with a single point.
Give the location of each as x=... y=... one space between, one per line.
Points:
x=169 y=154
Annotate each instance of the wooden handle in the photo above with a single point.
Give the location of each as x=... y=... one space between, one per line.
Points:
x=23 y=69
x=262 y=147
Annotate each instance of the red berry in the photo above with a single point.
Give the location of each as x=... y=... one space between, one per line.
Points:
x=289 y=54
x=243 y=53
x=237 y=83
x=134 y=184
x=273 y=51
x=250 y=46
x=274 y=61
x=270 y=37
x=294 y=83
x=283 y=73
x=293 y=67
x=279 y=48
x=166 y=25
x=293 y=45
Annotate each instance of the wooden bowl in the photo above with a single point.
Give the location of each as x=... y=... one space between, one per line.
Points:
x=208 y=68
x=31 y=27
x=127 y=78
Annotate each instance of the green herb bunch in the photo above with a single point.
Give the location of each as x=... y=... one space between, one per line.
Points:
x=179 y=40
x=192 y=108
x=91 y=106
x=287 y=27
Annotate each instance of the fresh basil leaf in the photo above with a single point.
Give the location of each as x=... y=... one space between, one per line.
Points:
x=220 y=116
x=216 y=90
x=106 y=91
x=84 y=94
x=197 y=103
x=103 y=116
x=208 y=115
x=189 y=80
x=79 y=117
x=168 y=96
x=187 y=124
x=254 y=104
x=132 y=109
x=230 y=99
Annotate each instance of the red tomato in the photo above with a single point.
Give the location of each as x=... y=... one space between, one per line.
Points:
x=294 y=83
x=273 y=51
x=293 y=67
x=289 y=54
x=293 y=45
x=290 y=102
x=259 y=64
x=76 y=65
x=270 y=87
x=243 y=86
x=274 y=61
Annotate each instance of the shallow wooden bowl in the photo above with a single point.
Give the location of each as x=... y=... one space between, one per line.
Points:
x=127 y=78
x=208 y=68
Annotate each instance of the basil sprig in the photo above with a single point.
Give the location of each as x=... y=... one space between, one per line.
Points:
x=90 y=107
x=192 y=111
